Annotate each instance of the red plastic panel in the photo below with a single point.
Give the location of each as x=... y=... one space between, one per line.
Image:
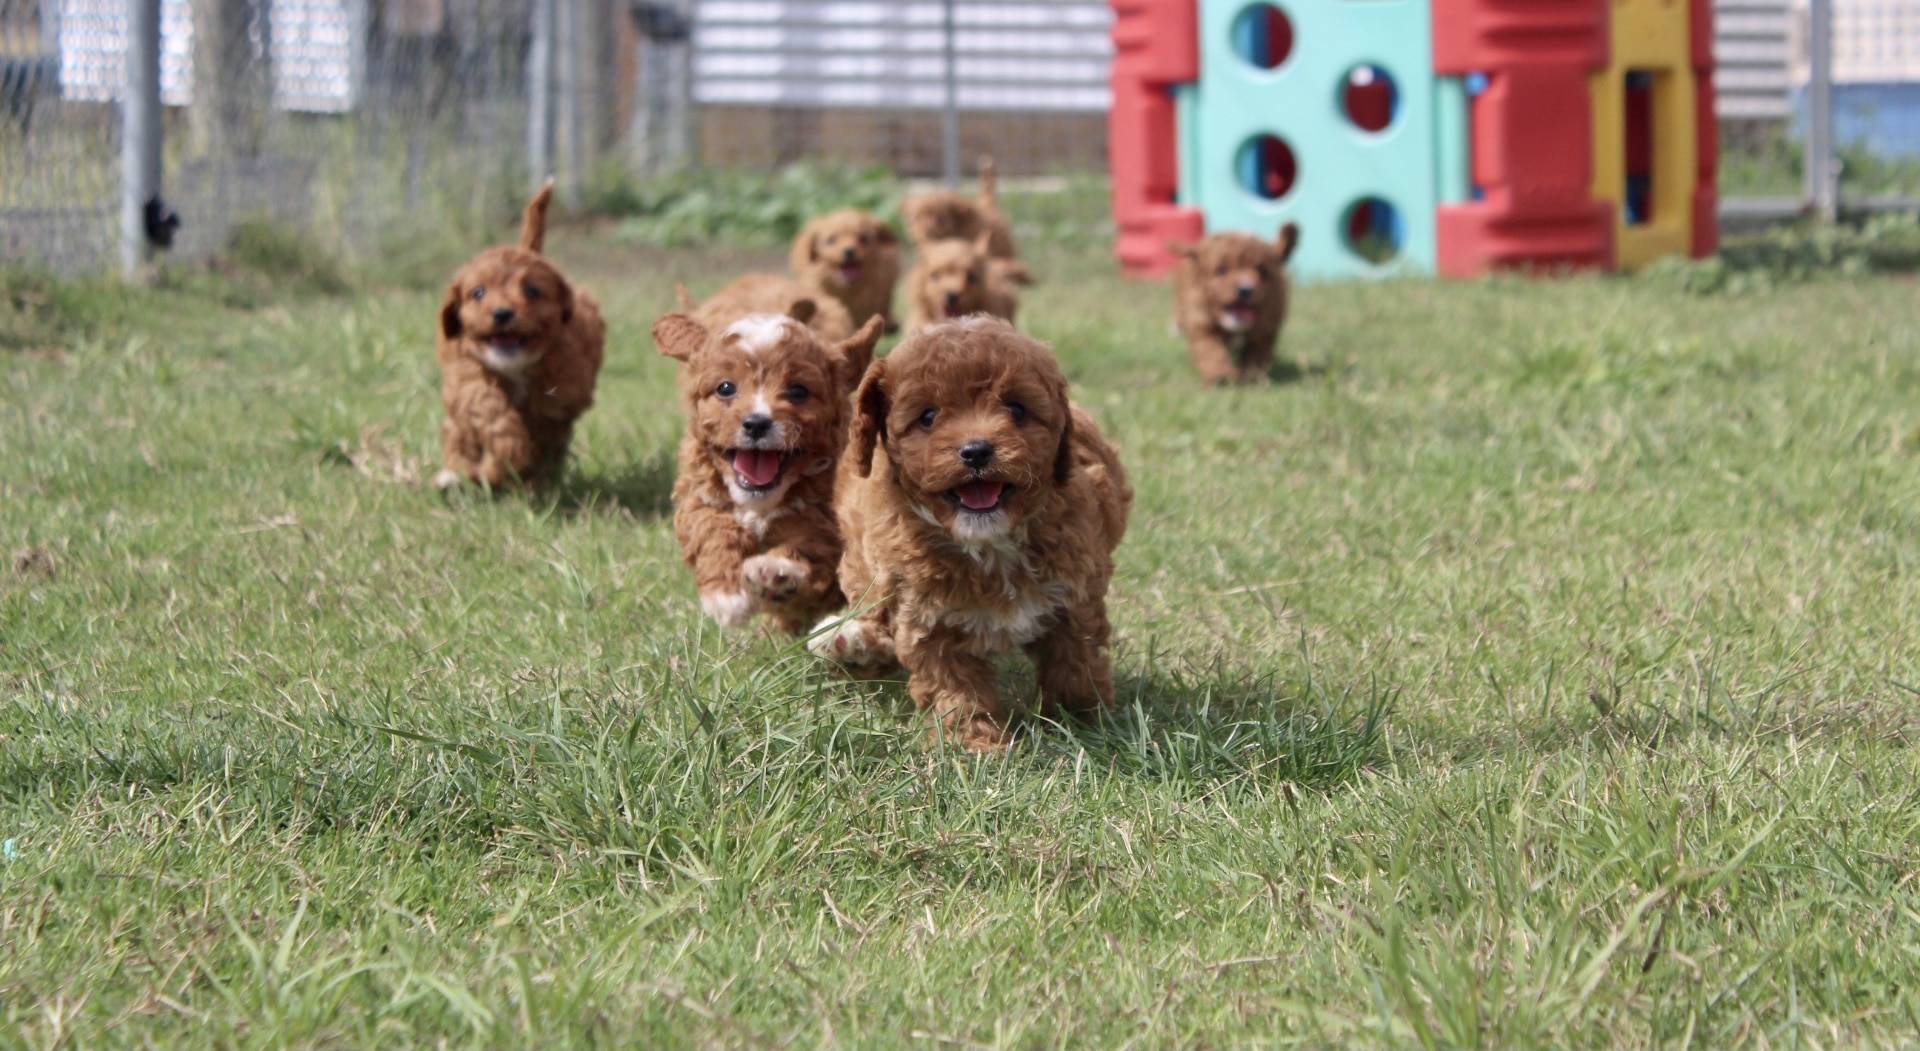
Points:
x=1531 y=154
x=1156 y=45
x=1706 y=189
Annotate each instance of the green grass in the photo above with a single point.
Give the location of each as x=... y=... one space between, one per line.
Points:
x=1535 y=668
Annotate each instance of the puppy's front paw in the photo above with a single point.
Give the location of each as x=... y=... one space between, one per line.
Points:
x=975 y=731
x=448 y=478
x=771 y=578
x=729 y=609
x=850 y=641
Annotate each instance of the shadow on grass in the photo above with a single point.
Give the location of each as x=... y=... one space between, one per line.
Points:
x=643 y=488
x=1286 y=370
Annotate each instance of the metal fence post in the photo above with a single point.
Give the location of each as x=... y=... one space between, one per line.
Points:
x=950 y=115
x=139 y=132
x=1822 y=170
x=567 y=101
x=540 y=95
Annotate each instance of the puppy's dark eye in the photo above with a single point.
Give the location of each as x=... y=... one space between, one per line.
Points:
x=726 y=389
x=1017 y=411
x=926 y=418
x=1220 y=271
x=972 y=278
x=532 y=291
x=864 y=239
x=479 y=293
x=798 y=393
x=1261 y=271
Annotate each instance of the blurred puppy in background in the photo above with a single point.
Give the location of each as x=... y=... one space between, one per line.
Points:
x=519 y=351
x=953 y=278
x=942 y=215
x=852 y=257
x=751 y=294
x=1230 y=295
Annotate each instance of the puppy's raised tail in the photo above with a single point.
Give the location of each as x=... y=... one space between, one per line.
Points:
x=686 y=301
x=533 y=222
x=989 y=180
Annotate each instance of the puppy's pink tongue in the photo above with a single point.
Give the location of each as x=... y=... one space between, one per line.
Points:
x=1244 y=315
x=757 y=466
x=980 y=496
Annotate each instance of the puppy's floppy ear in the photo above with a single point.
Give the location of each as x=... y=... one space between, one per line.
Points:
x=1015 y=271
x=566 y=300
x=852 y=355
x=450 y=312
x=1289 y=239
x=1063 y=457
x=1184 y=249
x=869 y=415
x=679 y=336
x=802 y=310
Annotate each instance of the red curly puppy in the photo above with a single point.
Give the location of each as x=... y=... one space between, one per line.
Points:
x=942 y=215
x=980 y=510
x=519 y=349
x=1230 y=300
x=953 y=279
x=767 y=413
x=851 y=257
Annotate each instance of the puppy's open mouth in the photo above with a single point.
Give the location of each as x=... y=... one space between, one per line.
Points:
x=980 y=497
x=1237 y=318
x=849 y=272
x=759 y=470
x=952 y=310
x=505 y=348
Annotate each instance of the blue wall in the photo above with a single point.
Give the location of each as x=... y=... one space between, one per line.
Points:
x=1885 y=118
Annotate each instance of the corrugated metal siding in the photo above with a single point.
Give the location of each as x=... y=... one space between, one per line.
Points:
x=1752 y=54
x=1046 y=56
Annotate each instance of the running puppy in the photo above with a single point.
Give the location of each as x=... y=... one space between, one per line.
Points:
x=980 y=509
x=941 y=215
x=955 y=278
x=519 y=350
x=1230 y=300
x=767 y=413
x=852 y=257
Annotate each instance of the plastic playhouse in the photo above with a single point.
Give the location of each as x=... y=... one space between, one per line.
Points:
x=1449 y=136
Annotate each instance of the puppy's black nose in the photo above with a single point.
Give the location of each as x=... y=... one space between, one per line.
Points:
x=1246 y=291
x=953 y=299
x=849 y=256
x=502 y=315
x=756 y=425
x=976 y=453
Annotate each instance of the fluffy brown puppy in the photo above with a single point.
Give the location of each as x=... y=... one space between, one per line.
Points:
x=767 y=412
x=519 y=349
x=751 y=294
x=1230 y=301
x=953 y=279
x=849 y=256
x=980 y=510
x=943 y=215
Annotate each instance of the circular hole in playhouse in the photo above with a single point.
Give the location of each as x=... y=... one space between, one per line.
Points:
x=1369 y=97
x=1373 y=231
x=1263 y=36
x=1265 y=167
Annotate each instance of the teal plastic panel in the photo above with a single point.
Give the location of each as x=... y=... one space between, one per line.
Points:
x=1453 y=177
x=1186 y=131
x=1336 y=162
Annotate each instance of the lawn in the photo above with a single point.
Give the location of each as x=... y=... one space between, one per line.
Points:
x=1535 y=665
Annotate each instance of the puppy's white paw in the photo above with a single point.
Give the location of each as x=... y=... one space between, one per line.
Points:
x=772 y=578
x=448 y=478
x=850 y=641
x=729 y=609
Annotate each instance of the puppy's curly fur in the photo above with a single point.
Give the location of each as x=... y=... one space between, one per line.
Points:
x=955 y=278
x=1230 y=297
x=849 y=256
x=767 y=409
x=980 y=510
x=943 y=215
x=519 y=350
x=751 y=294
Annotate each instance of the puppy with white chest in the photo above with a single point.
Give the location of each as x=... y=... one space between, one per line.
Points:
x=955 y=278
x=851 y=257
x=519 y=350
x=1230 y=297
x=767 y=408
x=980 y=510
